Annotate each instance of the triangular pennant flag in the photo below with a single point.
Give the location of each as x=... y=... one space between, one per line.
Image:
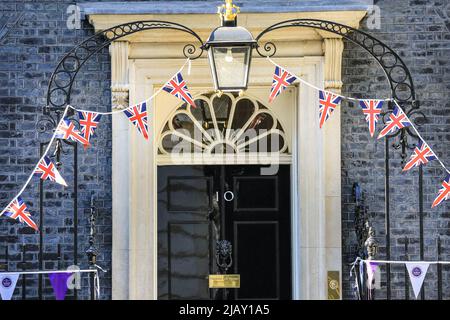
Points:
x=417 y=273
x=66 y=130
x=371 y=268
x=178 y=88
x=372 y=110
x=138 y=116
x=444 y=192
x=422 y=155
x=59 y=284
x=327 y=103
x=88 y=123
x=8 y=282
x=397 y=120
x=17 y=210
x=281 y=80
x=46 y=170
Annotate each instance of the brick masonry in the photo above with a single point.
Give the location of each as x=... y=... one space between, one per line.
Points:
x=419 y=31
x=34 y=36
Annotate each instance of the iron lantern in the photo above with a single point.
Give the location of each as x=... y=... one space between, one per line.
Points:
x=230 y=52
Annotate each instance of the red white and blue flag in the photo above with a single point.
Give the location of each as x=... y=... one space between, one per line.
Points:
x=372 y=110
x=397 y=120
x=46 y=170
x=178 y=88
x=281 y=80
x=327 y=103
x=444 y=192
x=17 y=210
x=138 y=116
x=66 y=130
x=422 y=155
x=88 y=123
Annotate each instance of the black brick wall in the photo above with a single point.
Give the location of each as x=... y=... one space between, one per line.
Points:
x=34 y=36
x=420 y=32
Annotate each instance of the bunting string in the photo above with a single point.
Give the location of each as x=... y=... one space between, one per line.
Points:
x=420 y=137
x=75 y=136
x=402 y=261
x=52 y=271
x=42 y=157
x=187 y=62
x=358 y=100
x=176 y=86
x=317 y=88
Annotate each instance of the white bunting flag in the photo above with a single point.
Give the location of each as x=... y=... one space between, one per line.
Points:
x=8 y=283
x=417 y=273
x=372 y=272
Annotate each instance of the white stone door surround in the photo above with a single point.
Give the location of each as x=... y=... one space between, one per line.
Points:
x=142 y=63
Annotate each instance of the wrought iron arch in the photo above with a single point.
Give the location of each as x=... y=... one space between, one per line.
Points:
x=396 y=71
x=63 y=77
x=387 y=58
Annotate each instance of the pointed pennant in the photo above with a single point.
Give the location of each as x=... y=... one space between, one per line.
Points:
x=138 y=116
x=422 y=155
x=444 y=192
x=46 y=170
x=178 y=88
x=281 y=80
x=8 y=282
x=88 y=123
x=327 y=103
x=17 y=210
x=371 y=268
x=397 y=120
x=66 y=130
x=59 y=284
x=417 y=273
x=372 y=110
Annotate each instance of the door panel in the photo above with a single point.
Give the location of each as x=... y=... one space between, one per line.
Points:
x=184 y=232
x=198 y=205
x=259 y=224
x=256 y=248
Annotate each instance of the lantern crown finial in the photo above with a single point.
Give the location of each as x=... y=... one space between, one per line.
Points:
x=228 y=11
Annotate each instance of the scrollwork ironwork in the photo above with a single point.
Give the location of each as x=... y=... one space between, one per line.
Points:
x=62 y=79
x=389 y=60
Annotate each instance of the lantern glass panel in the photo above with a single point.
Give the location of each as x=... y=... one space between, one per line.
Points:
x=231 y=66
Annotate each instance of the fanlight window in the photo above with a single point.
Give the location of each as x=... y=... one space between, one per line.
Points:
x=226 y=124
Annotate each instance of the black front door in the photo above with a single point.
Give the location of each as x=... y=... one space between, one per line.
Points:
x=199 y=205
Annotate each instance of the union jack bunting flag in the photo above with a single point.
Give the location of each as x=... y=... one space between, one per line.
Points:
x=422 y=155
x=327 y=103
x=18 y=211
x=178 y=88
x=66 y=130
x=281 y=80
x=397 y=120
x=88 y=123
x=444 y=192
x=46 y=170
x=138 y=116
x=371 y=109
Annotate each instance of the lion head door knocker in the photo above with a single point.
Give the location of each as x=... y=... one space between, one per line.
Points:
x=223 y=255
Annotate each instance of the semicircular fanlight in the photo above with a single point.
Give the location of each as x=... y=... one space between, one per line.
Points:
x=226 y=124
